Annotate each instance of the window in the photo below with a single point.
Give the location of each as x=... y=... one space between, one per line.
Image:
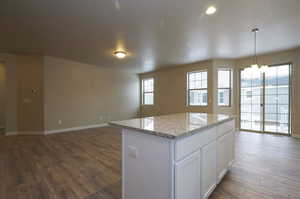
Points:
x=221 y=98
x=249 y=94
x=197 y=88
x=148 y=91
x=224 y=87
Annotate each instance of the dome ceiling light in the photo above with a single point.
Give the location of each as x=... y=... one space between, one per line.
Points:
x=211 y=10
x=120 y=54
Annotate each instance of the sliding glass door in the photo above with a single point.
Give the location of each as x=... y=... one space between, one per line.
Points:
x=265 y=100
x=251 y=112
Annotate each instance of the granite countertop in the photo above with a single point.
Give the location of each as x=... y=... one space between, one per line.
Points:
x=175 y=125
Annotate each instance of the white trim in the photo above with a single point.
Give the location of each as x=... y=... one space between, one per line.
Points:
x=221 y=176
x=230 y=164
x=11 y=133
x=296 y=136
x=75 y=128
x=123 y=164
x=210 y=190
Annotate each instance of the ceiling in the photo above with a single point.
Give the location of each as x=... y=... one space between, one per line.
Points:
x=156 y=33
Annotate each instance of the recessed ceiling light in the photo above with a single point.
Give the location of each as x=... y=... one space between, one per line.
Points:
x=211 y=10
x=120 y=54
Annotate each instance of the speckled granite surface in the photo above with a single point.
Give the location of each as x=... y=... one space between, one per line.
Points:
x=175 y=125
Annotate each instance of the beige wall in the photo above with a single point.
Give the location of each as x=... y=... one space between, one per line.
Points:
x=30 y=94
x=2 y=94
x=75 y=93
x=170 y=90
x=170 y=85
x=81 y=95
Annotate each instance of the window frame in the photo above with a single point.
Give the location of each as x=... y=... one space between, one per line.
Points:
x=224 y=88
x=197 y=89
x=145 y=92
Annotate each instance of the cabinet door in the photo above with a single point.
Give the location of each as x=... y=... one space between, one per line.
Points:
x=232 y=148
x=222 y=156
x=208 y=169
x=187 y=177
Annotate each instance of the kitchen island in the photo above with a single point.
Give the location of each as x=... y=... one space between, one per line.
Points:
x=178 y=156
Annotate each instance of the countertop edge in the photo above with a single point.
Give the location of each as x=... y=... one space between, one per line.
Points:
x=168 y=136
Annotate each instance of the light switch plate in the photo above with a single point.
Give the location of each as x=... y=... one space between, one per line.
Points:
x=133 y=152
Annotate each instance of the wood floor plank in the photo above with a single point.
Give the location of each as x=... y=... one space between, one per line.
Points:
x=87 y=165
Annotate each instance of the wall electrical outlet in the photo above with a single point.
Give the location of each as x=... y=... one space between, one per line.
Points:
x=59 y=122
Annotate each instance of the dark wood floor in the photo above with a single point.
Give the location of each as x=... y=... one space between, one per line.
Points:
x=81 y=165
x=266 y=167
x=87 y=165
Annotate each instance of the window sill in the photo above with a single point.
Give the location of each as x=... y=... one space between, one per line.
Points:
x=197 y=105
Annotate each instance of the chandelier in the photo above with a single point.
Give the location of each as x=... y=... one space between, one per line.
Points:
x=255 y=67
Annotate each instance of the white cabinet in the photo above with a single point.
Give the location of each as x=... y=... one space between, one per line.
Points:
x=187 y=177
x=231 y=148
x=190 y=167
x=208 y=169
x=224 y=154
x=221 y=157
x=188 y=145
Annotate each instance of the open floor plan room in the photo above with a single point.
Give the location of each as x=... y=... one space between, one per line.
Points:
x=150 y=99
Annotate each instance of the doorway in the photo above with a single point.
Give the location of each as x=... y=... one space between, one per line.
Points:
x=265 y=100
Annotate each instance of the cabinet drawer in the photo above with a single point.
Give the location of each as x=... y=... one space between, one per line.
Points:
x=188 y=145
x=226 y=127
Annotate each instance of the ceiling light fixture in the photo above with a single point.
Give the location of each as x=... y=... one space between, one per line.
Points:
x=120 y=54
x=211 y=10
x=255 y=67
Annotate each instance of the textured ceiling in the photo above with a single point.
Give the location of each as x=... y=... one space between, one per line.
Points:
x=157 y=33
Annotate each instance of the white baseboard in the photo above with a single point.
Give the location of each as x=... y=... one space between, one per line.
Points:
x=25 y=133
x=296 y=136
x=75 y=128
x=11 y=133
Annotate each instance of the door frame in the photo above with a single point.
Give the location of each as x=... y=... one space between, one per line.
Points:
x=291 y=94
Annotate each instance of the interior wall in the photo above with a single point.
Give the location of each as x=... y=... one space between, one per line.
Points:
x=2 y=95
x=171 y=90
x=290 y=56
x=78 y=94
x=11 y=112
x=170 y=86
x=30 y=93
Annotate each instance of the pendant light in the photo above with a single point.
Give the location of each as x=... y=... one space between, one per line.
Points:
x=255 y=67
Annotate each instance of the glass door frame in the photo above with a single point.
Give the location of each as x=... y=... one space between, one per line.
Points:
x=290 y=120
